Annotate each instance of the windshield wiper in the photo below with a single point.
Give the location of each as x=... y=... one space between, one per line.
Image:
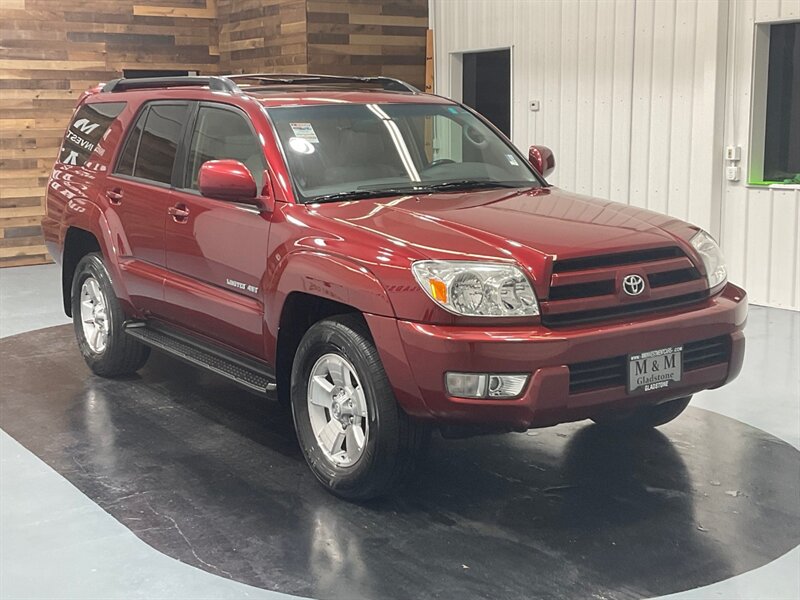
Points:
x=466 y=184
x=461 y=184
x=361 y=194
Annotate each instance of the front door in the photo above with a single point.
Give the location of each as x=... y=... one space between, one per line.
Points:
x=216 y=251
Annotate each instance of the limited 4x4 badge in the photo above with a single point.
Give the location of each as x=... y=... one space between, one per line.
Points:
x=253 y=289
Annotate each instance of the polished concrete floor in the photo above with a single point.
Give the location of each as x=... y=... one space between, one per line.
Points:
x=102 y=482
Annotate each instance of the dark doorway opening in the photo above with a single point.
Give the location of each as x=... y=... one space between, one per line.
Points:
x=782 y=135
x=486 y=81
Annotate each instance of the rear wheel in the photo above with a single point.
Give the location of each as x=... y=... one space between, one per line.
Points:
x=357 y=441
x=98 y=319
x=645 y=417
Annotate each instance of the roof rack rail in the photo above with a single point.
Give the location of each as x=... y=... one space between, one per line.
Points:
x=219 y=84
x=280 y=79
x=227 y=83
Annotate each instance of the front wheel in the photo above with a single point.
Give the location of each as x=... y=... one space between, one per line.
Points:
x=98 y=319
x=355 y=438
x=645 y=417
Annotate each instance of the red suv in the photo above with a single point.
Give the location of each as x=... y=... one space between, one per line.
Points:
x=384 y=260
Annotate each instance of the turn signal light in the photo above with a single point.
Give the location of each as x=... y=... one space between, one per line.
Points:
x=438 y=290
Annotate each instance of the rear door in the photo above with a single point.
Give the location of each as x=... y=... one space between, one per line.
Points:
x=216 y=251
x=138 y=193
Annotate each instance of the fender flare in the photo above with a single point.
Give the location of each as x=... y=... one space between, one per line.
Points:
x=86 y=215
x=329 y=276
x=343 y=280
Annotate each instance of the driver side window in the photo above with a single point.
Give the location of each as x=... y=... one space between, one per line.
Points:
x=221 y=133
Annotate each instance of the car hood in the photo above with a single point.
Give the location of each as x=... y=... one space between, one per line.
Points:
x=529 y=226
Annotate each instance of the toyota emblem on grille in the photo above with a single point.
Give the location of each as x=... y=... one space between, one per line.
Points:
x=633 y=284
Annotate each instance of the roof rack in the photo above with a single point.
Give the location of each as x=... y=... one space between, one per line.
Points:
x=287 y=79
x=219 y=84
x=227 y=83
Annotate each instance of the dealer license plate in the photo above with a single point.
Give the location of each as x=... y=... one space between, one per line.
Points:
x=654 y=370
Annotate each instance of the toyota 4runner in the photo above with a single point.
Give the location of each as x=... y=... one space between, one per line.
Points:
x=381 y=260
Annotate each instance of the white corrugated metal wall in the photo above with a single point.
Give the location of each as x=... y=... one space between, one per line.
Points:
x=633 y=102
x=760 y=227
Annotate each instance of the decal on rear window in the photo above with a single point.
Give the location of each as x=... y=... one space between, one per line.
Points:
x=86 y=130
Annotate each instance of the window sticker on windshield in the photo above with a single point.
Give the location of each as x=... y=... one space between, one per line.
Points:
x=305 y=132
x=512 y=160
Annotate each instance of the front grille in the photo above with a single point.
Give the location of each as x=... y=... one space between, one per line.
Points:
x=612 y=372
x=597 y=374
x=657 y=280
x=587 y=288
x=708 y=352
x=619 y=259
x=621 y=310
x=582 y=290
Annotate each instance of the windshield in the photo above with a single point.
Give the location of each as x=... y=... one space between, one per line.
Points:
x=352 y=151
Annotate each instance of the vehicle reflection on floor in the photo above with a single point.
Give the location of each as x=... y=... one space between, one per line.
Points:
x=213 y=476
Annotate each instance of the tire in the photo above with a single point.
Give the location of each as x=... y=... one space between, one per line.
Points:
x=645 y=417
x=111 y=353
x=391 y=441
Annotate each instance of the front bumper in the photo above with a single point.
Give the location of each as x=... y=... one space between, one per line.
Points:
x=416 y=356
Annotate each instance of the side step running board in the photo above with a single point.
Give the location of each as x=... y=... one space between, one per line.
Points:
x=239 y=369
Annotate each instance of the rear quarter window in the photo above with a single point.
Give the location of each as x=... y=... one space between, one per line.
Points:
x=87 y=128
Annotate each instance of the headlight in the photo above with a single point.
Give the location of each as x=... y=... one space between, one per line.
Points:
x=712 y=257
x=477 y=289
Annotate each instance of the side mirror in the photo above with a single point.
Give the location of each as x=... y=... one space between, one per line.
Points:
x=228 y=180
x=542 y=159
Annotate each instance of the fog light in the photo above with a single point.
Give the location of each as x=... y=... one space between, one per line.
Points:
x=485 y=385
x=506 y=386
x=466 y=385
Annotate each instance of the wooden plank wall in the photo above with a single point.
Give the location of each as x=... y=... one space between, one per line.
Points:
x=50 y=52
x=262 y=35
x=368 y=37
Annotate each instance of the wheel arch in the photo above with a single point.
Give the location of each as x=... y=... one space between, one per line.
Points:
x=314 y=286
x=77 y=244
x=90 y=233
x=300 y=312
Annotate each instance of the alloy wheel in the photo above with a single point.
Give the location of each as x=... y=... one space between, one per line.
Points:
x=337 y=410
x=94 y=315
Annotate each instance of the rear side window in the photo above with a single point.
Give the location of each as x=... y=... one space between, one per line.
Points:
x=223 y=134
x=125 y=165
x=86 y=130
x=150 y=150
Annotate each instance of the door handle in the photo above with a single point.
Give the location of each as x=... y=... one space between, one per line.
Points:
x=179 y=213
x=114 y=196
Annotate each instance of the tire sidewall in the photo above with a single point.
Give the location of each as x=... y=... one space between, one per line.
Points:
x=324 y=338
x=92 y=266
